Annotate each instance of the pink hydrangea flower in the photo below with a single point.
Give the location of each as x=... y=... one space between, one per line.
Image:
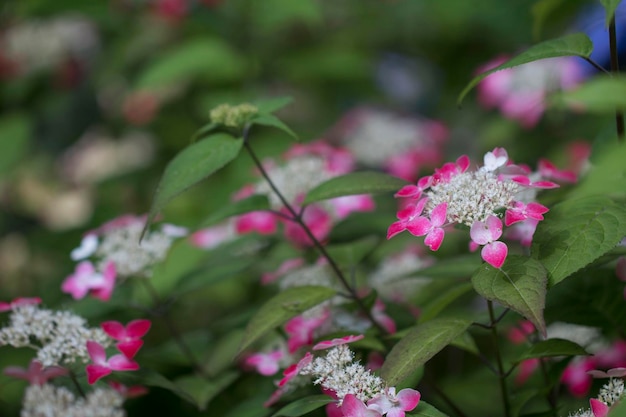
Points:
x=353 y=407
x=300 y=330
x=262 y=222
x=18 y=302
x=327 y=344
x=36 y=374
x=519 y=333
x=212 y=237
x=266 y=363
x=598 y=408
x=128 y=392
x=577 y=378
x=395 y=405
x=294 y=369
x=102 y=367
x=317 y=220
x=129 y=336
x=86 y=279
x=487 y=233
x=431 y=227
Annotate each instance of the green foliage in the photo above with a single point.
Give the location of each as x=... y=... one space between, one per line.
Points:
x=610 y=6
x=246 y=205
x=607 y=176
x=441 y=301
x=426 y=410
x=552 y=347
x=419 y=345
x=575 y=233
x=603 y=95
x=272 y=121
x=14 y=140
x=353 y=184
x=195 y=163
x=577 y=44
x=280 y=308
x=203 y=390
x=303 y=406
x=350 y=254
x=520 y=285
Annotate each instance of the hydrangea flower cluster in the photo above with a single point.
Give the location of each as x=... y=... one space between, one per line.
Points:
x=520 y=92
x=59 y=337
x=476 y=199
x=610 y=394
x=401 y=145
x=114 y=250
x=53 y=401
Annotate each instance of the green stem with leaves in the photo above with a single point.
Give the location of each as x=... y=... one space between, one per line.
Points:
x=496 y=347
x=297 y=217
x=619 y=114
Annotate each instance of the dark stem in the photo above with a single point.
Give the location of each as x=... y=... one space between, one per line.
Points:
x=552 y=394
x=448 y=400
x=297 y=217
x=619 y=114
x=171 y=327
x=76 y=384
x=501 y=374
x=596 y=65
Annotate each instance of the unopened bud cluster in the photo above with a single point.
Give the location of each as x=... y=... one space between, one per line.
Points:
x=233 y=116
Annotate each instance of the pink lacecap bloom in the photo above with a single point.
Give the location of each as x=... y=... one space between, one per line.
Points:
x=36 y=374
x=284 y=268
x=262 y=222
x=576 y=376
x=86 y=279
x=526 y=368
x=612 y=356
x=487 y=233
x=128 y=392
x=211 y=237
x=395 y=405
x=318 y=221
x=300 y=330
x=345 y=205
x=339 y=160
x=294 y=369
x=520 y=332
x=18 y=302
x=102 y=367
x=265 y=363
x=129 y=336
x=327 y=344
x=549 y=171
x=523 y=231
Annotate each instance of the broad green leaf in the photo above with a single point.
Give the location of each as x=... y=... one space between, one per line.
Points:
x=577 y=232
x=282 y=307
x=424 y=409
x=205 y=58
x=520 y=285
x=607 y=176
x=271 y=15
x=151 y=378
x=193 y=164
x=203 y=390
x=602 y=94
x=303 y=406
x=272 y=105
x=349 y=254
x=466 y=342
x=553 y=347
x=540 y=11
x=14 y=137
x=610 y=6
x=250 y=407
x=436 y=305
x=577 y=44
x=520 y=398
x=365 y=182
x=419 y=345
x=205 y=130
x=273 y=121
x=220 y=356
x=619 y=410
x=255 y=202
x=170 y=352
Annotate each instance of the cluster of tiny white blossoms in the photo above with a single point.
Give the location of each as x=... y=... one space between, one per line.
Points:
x=337 y=371
x=51 y=401
x=60 y=337
x=118 y=241
x=610 y=394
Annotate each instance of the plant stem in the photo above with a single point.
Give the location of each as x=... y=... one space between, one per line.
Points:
x=297 y=217
x=171 y=327
x=596 y=65
x=551 y=396
x=496 y=348
x=619 y=114
x=76 y=384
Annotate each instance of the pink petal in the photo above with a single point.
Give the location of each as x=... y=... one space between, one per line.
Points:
x=434 y=239
x=409 y=398
x=598 y=408
x=122 y=363
x=104 y=292
x=409 y=191
x=463 y=162
x=438 y=215
x=96 y=352
x=115 y=329
x=512 y=216
x=138 y=328
x=494 y=224
x=95 y=372
x=396 y=228
x=130 y=347
x=353 y=407
x=338 y=341
x=479 y=233
x=495 y=253
x=419 y=226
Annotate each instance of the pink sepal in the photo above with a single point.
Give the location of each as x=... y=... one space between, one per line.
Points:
x=598 y=408
x=338 y=341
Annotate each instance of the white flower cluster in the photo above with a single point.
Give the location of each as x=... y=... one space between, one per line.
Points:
x=338 y=372
x=299 y=175
x=472 y=196
x=51 y=401
x=391 y=278
x=610 y=394
x=60 y=337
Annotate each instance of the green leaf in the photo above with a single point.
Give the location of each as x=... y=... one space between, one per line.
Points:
x=202 y=390
x=256 y=202
x=151 y=378
x=466 y=342
x=365 y=182
x=553 y=347
x=272 y=105
x=602 y=94
x=303 y=406
x=211 y=59
x=350 y=254
x=577 y=44
x=193 y=164
x=439 y=303
x=272 y=121
x=419 y=345
x=541 y=10
x=520 y=285
x=619 y=410
x=220 y=356
x=14 y=140
x=282 y=307
x=520 y=398
x=457 y=267
x=575 y=233
x=610 y=6
x=211 y=273
x=169 y=351
x=607 y=176
x=426 y=410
